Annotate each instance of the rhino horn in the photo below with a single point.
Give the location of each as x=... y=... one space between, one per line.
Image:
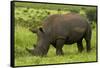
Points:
x=29 y=50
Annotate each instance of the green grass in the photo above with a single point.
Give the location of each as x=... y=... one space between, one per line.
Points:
x=49 y=6
x=29 y=15
x=24 y=38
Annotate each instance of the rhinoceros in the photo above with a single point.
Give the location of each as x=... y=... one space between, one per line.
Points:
x=60 y=29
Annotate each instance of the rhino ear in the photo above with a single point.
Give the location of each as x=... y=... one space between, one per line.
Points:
x=41 y=29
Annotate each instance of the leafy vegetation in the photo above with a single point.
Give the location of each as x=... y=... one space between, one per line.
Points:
x=91 y=14
x=31 y=15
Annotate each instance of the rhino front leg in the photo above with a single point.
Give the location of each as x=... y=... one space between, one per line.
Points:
x=59 y=46
x=88 y=39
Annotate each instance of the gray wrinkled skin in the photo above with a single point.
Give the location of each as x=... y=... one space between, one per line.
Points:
x=62 y=29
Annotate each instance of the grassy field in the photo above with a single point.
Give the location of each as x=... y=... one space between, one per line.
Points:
x=24 y=38
x=29 y=16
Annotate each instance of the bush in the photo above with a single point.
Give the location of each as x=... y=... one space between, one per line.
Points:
x=91 y=14
x=75 y=10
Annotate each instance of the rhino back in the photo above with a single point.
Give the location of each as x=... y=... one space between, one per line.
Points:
x=69 y=25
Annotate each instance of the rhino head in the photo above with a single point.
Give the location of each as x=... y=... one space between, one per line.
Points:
x=42 y=46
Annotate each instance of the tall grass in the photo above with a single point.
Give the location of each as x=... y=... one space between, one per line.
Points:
x=24 y=38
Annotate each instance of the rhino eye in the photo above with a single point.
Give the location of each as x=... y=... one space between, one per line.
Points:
x=41 y=29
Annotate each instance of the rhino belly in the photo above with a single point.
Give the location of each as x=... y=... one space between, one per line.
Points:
x=74 y=37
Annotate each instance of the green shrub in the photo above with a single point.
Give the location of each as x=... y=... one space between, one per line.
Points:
x=74 y=10
x=91 y=14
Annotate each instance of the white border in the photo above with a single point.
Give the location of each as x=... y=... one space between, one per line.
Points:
x=5 y=34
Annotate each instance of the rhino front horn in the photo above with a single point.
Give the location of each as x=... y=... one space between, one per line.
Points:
x=29 y=50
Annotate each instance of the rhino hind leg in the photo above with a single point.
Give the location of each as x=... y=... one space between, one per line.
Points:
x=88 y=44
x=59 y=46
x=88 y=39
x=80 y=45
